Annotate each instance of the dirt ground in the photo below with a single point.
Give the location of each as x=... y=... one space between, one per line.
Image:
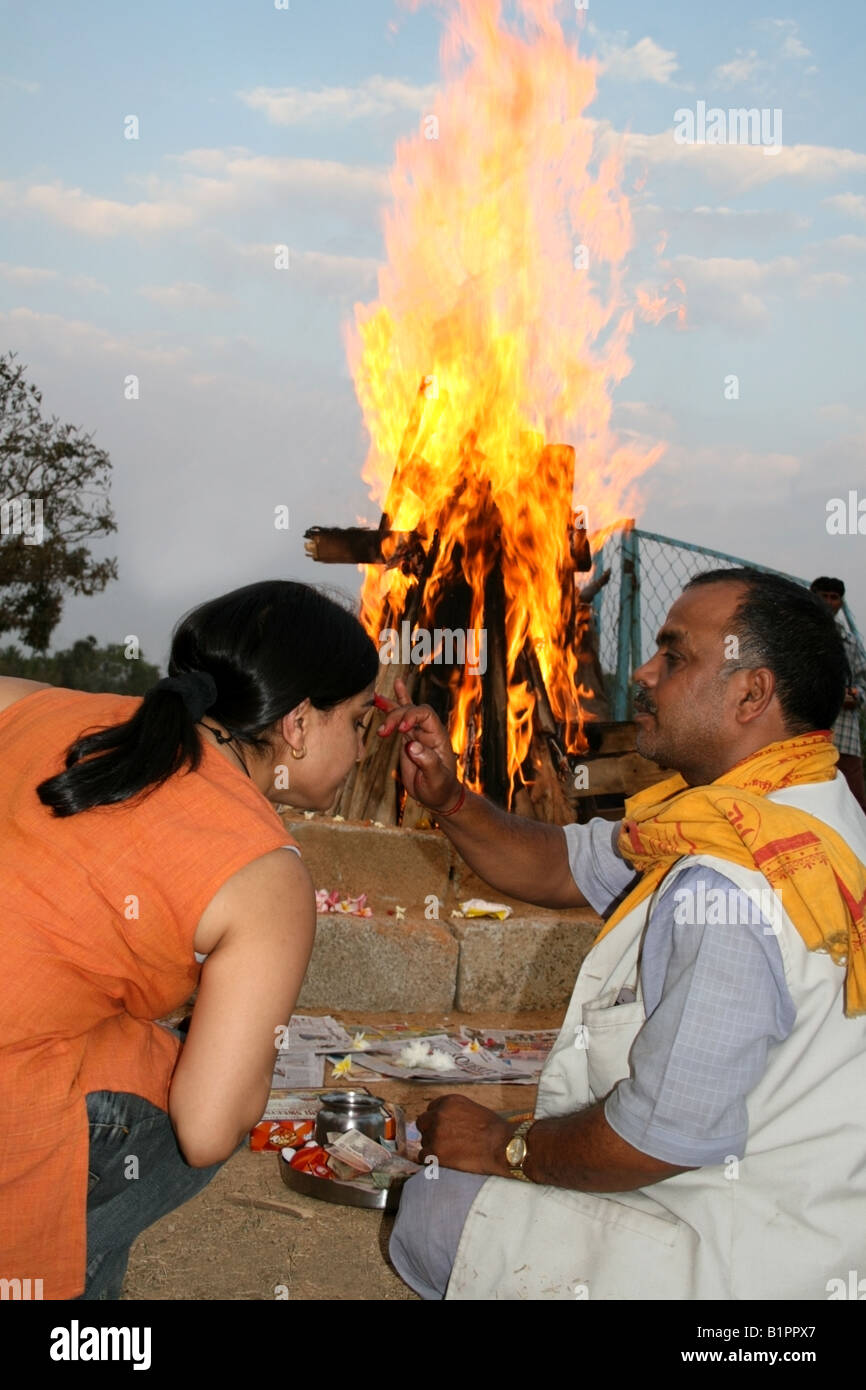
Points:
x=213 y=1248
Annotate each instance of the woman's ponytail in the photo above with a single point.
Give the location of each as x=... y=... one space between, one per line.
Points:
x=144 y=752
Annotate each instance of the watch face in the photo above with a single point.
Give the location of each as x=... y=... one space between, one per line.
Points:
x=515 y=1151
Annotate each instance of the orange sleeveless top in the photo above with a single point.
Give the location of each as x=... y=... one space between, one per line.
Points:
x=97 y=920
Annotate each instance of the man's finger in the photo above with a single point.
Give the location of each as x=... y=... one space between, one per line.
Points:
x=408 y=717
x=395 y=714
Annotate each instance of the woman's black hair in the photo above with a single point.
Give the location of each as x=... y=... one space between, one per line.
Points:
x=268 y=646
x=782 y=626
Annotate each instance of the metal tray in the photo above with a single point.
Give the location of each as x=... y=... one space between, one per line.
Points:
x=343 y=1193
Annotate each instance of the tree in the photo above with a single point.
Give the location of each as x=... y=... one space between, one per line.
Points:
x=83 y=666
x=53 y=497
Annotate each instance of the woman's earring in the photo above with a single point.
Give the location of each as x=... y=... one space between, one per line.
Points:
x=302 y=754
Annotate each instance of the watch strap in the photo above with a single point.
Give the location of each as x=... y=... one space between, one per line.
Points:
x=516 y=1170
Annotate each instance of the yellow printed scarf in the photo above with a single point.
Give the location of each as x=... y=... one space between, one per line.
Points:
x=821 y=882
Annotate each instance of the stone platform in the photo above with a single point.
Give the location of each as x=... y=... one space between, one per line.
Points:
x=420 y=958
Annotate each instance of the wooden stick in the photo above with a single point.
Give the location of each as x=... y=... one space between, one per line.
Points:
x=239 y=1199
x=358 y=545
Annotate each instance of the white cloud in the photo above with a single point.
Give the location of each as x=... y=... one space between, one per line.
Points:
x=186 y=295
x=210 y=160
x=735 y=291
x=720 y=225
x=644 y=61
x=82 y=212
x=748 y=63
x=377 y=96
x=847 y=245
x=235 y=178
x=26 y=274
x=231 y=180
x=323 y=270
x=740 y=69
x=823 y=283
x=739 y=168
x=795 y=48
x=842 y=413
x=645 y=421
x=38 y=275
x=31 y=88
x=70 y=338
x=762 y=477
x=337 y=273
x=850 y=204
x=787 y=32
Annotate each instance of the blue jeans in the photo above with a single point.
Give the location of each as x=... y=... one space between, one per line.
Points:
x=136 y=1175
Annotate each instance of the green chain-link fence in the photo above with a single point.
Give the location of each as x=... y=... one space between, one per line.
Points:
x=648 y=572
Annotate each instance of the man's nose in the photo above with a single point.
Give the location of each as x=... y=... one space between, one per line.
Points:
x=647 y=673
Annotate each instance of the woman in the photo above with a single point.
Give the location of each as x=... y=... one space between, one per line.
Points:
x=158 y=847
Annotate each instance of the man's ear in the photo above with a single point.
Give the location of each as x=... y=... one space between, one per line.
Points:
x=758 y=694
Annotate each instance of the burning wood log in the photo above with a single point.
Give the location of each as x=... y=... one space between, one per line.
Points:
x=464 y=588
x=371 y=791
x=361 y=545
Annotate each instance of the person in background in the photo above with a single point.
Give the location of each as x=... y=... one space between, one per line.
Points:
x=846 y=730
x=142 y=854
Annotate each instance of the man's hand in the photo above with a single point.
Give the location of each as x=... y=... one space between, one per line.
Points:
x=578 y=1151
x=465 y=1136
x=428 y=766
x=850 y=701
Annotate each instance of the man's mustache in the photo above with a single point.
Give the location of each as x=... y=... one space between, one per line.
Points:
x=642 y=703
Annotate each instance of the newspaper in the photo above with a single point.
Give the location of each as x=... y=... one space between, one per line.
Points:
x=506 y=1055
x=529 y=1049
x=468 y=1065
x=300 y=1062
x=297 y=1071
x=307 y=1033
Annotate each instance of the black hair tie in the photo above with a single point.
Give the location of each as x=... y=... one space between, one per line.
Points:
x=197 y=689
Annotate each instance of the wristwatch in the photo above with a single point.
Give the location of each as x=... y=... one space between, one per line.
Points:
x=516 y=1151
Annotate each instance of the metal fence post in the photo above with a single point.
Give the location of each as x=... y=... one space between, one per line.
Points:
x=626 y=619
x=636 y=657
x=598 y=558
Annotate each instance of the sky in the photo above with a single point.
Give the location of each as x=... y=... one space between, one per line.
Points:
x=260 y=126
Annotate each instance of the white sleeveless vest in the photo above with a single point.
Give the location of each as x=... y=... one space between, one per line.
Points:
x=779 y=1224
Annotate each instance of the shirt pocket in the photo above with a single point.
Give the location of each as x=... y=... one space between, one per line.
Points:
x=604 y=1221
x=107 y=1141
x=609 y=1032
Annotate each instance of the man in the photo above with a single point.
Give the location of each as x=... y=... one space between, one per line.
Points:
x=699 y=1127
x=846 y=730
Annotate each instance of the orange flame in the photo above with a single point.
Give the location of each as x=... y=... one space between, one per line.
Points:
x=503 y=297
